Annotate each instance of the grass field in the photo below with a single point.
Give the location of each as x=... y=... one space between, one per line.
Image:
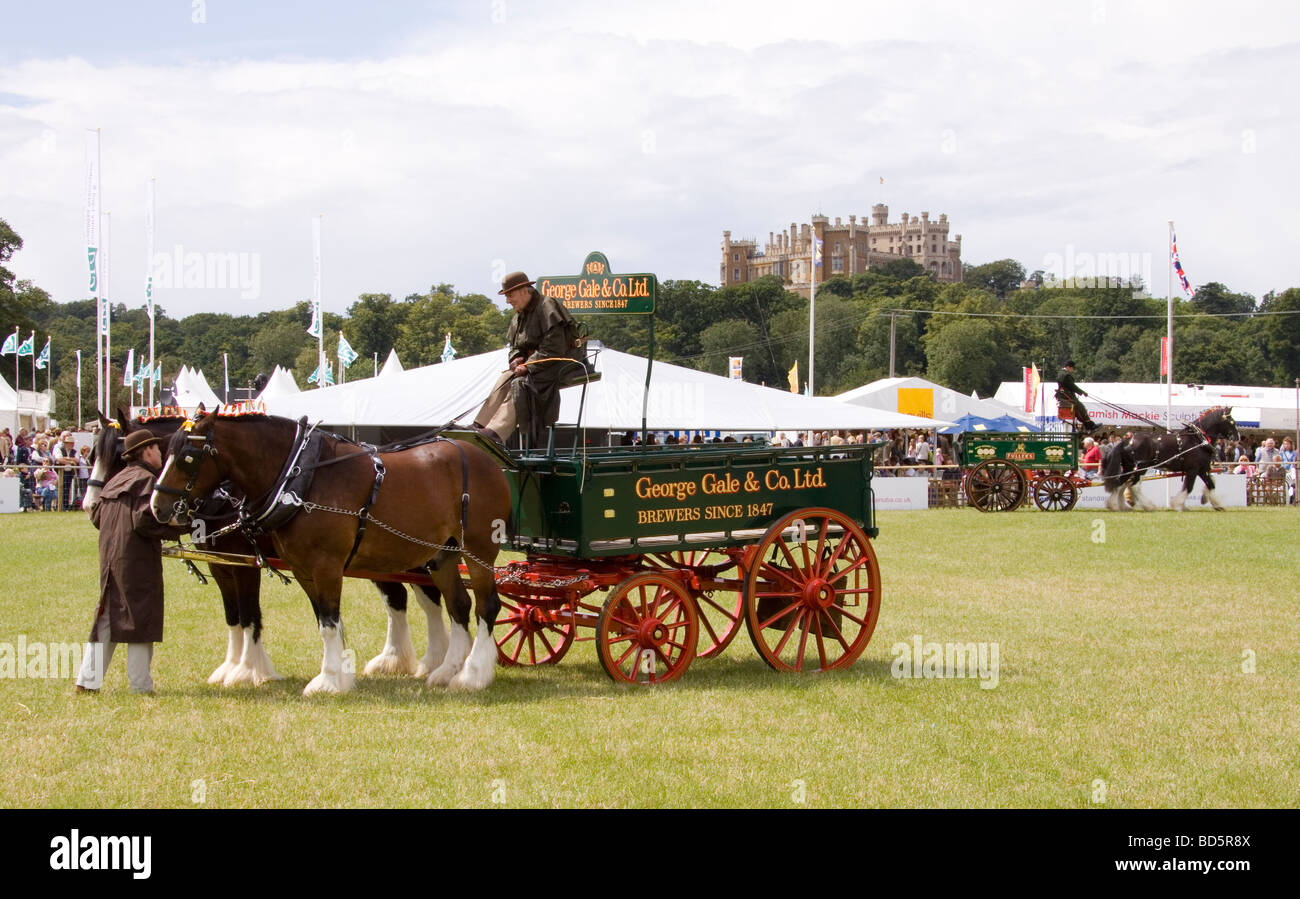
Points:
x=1145 y=660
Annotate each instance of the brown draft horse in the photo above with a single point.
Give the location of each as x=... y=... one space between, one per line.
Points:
x=444 y=497
x=246 y=660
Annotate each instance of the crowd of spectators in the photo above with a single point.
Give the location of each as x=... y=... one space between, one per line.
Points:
x=1260 y=457
x=51 y=469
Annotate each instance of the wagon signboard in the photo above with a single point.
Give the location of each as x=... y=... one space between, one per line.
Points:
x=596 y=289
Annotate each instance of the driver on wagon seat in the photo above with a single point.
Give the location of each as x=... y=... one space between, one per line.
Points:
x=544 y=349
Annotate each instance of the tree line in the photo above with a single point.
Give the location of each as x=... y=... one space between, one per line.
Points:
x=968 y=336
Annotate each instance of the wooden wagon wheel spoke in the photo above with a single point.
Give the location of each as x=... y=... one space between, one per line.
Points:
x=527 y=625
x=660 y=642
x=721 y=615
x=810 y=597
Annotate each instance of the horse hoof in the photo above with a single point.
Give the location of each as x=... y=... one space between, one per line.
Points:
x=328 y=683
x=389 y=664
x=441 y=677
x=240 y=674
x=467 y=682
x=219 y=675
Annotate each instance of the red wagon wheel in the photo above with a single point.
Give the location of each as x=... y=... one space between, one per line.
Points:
x=996 y=485
x=813 y=592
x=1055 y=493
x=647 y=630
x=532 y=634
x=721 y=613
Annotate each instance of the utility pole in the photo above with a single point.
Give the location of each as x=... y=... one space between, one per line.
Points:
x=893 y=330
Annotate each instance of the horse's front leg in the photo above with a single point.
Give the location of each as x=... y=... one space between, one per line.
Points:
x=1210 y=495
x=234 y=633
x=337 y=670
x=430 y=600
x=446 y=577
x=1179 y=500
x=398 y=655
x=480 y=667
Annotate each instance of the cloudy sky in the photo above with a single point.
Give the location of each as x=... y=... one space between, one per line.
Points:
x=458 y=141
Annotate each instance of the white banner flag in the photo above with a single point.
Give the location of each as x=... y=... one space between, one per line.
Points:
x=91 y=228
x=128 y=373
x=315 y=329
x=148 y=250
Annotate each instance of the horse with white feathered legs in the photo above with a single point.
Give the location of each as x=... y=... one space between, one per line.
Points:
x=247 y=661
x=1189 y=452
x=322 y=501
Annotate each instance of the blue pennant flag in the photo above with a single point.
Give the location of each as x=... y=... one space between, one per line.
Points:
x=44 y=358
x=448 y=353
x=11 y=344
x=28 y=346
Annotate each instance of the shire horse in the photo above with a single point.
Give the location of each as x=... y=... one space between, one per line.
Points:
x=317 y=492
x=1189 y=452
x=246 y=660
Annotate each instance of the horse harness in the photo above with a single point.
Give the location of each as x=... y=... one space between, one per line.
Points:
x=280 y=504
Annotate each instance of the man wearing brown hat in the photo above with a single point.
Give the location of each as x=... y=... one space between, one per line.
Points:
x=543 y=349
x=1068 y=393
x=130 y=569
x=65 y=455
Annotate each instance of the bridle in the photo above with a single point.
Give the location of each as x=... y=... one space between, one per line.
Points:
x=189 y=459
x=95 y=482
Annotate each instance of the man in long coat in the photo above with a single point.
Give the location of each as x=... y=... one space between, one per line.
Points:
x=1068 y=393
x=541 y=344
x=130 y=607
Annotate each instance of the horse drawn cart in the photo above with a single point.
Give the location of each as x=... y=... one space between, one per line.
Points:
x=663 y=552
x=1001 y=469
x=689 y=543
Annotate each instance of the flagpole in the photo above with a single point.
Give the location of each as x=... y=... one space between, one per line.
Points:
x=32 y=338
x=1169 y=335
x=78 y=390
x=812 y=309
x=108 y=309
x=148 y=279
x=225 y=361
x=90 y=230
x=319 y=310
x=18 y=385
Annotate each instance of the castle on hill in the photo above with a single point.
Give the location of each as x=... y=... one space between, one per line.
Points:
x=846 y=249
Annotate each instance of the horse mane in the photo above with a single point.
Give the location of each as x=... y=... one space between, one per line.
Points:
x=1211 y=417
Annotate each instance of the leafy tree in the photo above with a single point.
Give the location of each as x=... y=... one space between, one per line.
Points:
x=999 y=278
x=967 y=355
x=901 y=269
x=277 y=344
x=1215 y=299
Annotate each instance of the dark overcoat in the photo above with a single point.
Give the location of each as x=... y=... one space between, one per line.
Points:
x=541 y=330
x=130 y=558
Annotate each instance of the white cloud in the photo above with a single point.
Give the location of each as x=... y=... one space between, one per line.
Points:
x=647 y=133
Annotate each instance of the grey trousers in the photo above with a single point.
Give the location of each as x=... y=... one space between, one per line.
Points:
x=498 y=410
x=95 y=659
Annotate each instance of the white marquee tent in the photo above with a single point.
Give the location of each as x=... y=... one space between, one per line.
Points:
x=392 y=365
x=921 y=397
x=192 y=389
x=280 y=383
x=680 y=399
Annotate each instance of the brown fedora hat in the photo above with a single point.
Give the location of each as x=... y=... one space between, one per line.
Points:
x=513 y=281
x=136 y=441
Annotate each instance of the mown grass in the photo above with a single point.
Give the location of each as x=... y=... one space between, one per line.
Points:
x=1121 y=678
